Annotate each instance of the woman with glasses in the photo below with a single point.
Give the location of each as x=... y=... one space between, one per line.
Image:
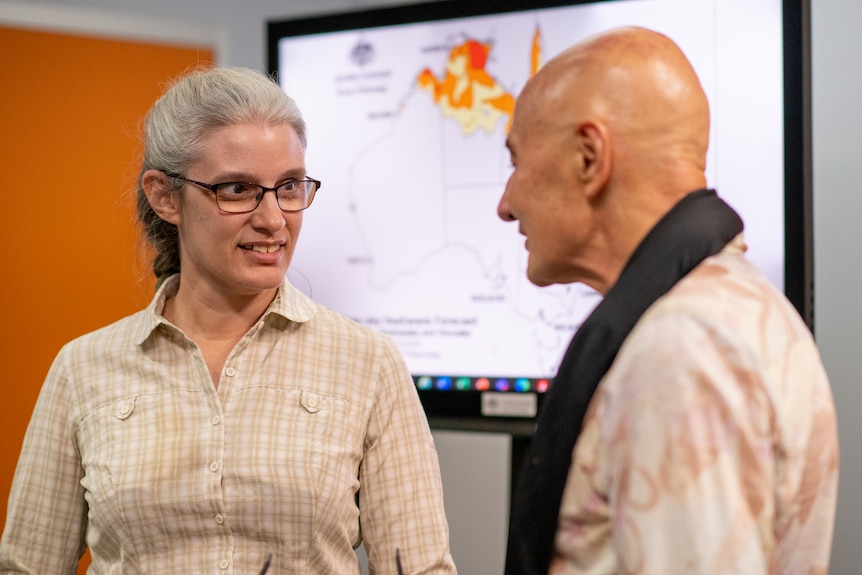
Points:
x=233 y=419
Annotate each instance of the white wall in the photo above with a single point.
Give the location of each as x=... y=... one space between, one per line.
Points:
x=837 y=120
x=242 y=21
x=473 y=464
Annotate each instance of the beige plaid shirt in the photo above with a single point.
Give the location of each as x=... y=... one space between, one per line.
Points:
x=710 y=447
x=315 y=430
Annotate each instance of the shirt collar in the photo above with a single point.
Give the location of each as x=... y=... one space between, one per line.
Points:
x=289 y=303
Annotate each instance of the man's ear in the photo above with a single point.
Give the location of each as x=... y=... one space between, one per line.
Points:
x=163 y=200
x=594 y=158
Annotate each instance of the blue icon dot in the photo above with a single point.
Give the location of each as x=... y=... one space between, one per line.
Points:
x=444 y=383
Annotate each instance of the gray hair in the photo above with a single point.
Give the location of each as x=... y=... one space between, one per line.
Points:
x=194 y=106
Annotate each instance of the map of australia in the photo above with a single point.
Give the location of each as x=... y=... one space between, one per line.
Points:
x=468 y=93
x=415 y=158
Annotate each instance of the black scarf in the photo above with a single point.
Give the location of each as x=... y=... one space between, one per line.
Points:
x=699 y=226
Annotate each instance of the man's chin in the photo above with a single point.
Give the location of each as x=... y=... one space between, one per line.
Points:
x=545 y=278
x=538 y=279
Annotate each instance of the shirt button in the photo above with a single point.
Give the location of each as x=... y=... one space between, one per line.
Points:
x=219 y=519
x=223 y=564
x=216 y=420
x=125 y=409
x=312 y=401
x=230 y=372
x=214 y=466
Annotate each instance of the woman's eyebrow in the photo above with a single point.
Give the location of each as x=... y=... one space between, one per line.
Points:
x=248 y=177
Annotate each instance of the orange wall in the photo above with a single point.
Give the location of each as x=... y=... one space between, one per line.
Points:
x=70 y=110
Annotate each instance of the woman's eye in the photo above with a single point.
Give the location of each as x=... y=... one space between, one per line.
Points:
x=239 y=189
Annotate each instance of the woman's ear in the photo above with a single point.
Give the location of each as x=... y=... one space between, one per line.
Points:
x=163 y=200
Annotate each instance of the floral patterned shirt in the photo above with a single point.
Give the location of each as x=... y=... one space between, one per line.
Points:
x=710 y=446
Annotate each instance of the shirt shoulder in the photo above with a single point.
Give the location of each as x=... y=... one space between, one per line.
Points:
x=731 y=300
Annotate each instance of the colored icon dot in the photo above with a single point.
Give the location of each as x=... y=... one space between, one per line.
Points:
x=482 y=384
x=462 y=383
x=542 y=385
x=501 y=384
x=424 y=382
x=522 y=384
x=444 y=383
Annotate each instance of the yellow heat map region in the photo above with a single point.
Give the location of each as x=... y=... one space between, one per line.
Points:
x=468 y=93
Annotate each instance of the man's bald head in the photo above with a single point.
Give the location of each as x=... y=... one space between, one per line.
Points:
x=641 y=86
x=605 y=140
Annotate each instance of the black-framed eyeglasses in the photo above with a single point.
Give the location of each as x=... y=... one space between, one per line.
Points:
x=244 y=197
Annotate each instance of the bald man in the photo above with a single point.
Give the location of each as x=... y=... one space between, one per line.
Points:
x=691 y=427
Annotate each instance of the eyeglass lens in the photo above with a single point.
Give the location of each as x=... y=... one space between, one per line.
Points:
x=292 y=196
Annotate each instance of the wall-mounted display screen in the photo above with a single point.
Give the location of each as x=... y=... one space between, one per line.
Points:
x=408 y=110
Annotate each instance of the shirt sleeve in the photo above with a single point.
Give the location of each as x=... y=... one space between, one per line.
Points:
x=47 y=514
x=401 y=493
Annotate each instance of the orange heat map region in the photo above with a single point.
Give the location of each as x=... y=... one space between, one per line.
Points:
x=468 y=93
